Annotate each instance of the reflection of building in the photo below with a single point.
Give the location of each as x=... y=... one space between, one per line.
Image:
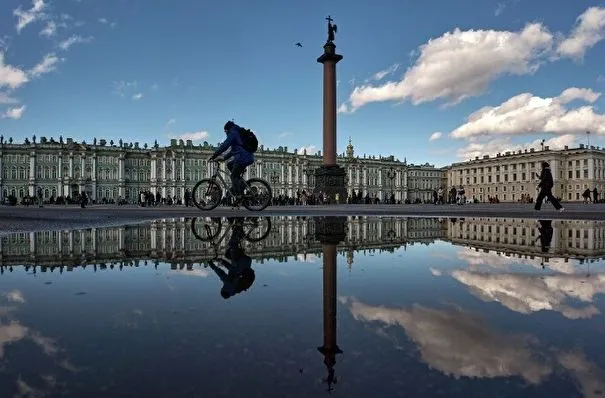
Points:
x=507 y=176
x=109 y=171
x=171 y=241
x=571 y=238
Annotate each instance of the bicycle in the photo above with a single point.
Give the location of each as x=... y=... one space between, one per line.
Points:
x=255 y=229
x=207 y=194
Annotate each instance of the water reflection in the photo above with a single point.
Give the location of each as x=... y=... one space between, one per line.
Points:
x=428 y=307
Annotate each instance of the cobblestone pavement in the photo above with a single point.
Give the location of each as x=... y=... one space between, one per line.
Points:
x=50 y=217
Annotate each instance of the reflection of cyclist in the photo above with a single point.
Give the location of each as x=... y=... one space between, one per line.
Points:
x=240 y=275
x=241 y=158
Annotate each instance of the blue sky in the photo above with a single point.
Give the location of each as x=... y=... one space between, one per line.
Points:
x=141 y=70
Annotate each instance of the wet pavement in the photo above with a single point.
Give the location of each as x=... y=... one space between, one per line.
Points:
x=294 y=306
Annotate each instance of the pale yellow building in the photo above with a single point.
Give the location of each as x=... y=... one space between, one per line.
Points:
x=507 y=176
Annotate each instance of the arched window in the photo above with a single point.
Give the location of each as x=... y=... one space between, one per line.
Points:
x=46 y=193
x=39 y=172
x=46 y=172
x=142 y=175
x=14 y=173
x=21 y=193
x=54 y=172
x=54 y=192
x=22 y=173
x=134 y=175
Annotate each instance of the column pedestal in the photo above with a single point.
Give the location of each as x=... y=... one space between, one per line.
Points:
x=331 y=180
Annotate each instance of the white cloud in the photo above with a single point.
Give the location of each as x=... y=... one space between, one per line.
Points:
x=50 y=29
x=6 y=99
x=137 y=96
x=73 y=39
x=155 y=87
x=435 y=136
x=601 y=79
x=384 y=73
x=11 y=76
x=589 y=30
x=105 y=21
x=343 y=108
x=193 y=136
x=14 y=113
x=311 y=149
x=499 y=9
x=170 y=122
x=494 y=145
x=47 y=65
x=284 y=135
x=436 y=74
x=122 y=87
x=26 y=17
x=529 y=114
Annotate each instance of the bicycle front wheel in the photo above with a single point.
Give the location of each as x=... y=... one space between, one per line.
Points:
x=258 y=194
x=206 y=194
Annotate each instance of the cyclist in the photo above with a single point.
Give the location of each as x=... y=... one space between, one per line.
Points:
x=241 y=158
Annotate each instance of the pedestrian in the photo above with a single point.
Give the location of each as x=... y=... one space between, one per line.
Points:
x=546 y=184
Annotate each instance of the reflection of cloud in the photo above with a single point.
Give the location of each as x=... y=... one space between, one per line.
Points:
x=526 y=293
x=458 y=343
x=435 y=271
x=590 y=377
x=15 y=296
x=194 y=272
x=493 y=259
x=10 y=333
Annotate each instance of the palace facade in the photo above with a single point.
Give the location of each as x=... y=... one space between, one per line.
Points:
x=122 y=170
x=507 y=176
x=109 y=171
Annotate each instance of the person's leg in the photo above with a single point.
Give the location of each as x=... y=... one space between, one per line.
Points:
x=236 y=178
x=553 y=200
x=539 y=199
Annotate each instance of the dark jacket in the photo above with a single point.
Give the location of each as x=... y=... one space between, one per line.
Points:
x=546 y=181
x=234 y=141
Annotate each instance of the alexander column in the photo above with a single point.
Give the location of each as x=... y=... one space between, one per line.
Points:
x=330 y=178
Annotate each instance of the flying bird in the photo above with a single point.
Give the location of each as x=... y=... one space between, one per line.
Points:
x=298 y=44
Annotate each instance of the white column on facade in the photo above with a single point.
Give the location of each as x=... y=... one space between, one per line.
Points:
x=164 y=177
x=94 y=176
x=182 y=189
x=71 y=165
x=153 y=231
x=32 y=243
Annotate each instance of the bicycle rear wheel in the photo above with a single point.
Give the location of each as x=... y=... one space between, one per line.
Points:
x=206 y=194
x=258 y=194
x=256 y=228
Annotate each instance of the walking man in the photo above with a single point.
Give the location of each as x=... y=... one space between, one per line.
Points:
x=546 y=184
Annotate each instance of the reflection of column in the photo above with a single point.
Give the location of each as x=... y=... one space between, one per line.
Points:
x=330 y=231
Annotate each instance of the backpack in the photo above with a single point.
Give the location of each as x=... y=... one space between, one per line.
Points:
x=249 y=140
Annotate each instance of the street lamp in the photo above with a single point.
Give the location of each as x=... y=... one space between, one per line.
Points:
x=391 y=176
